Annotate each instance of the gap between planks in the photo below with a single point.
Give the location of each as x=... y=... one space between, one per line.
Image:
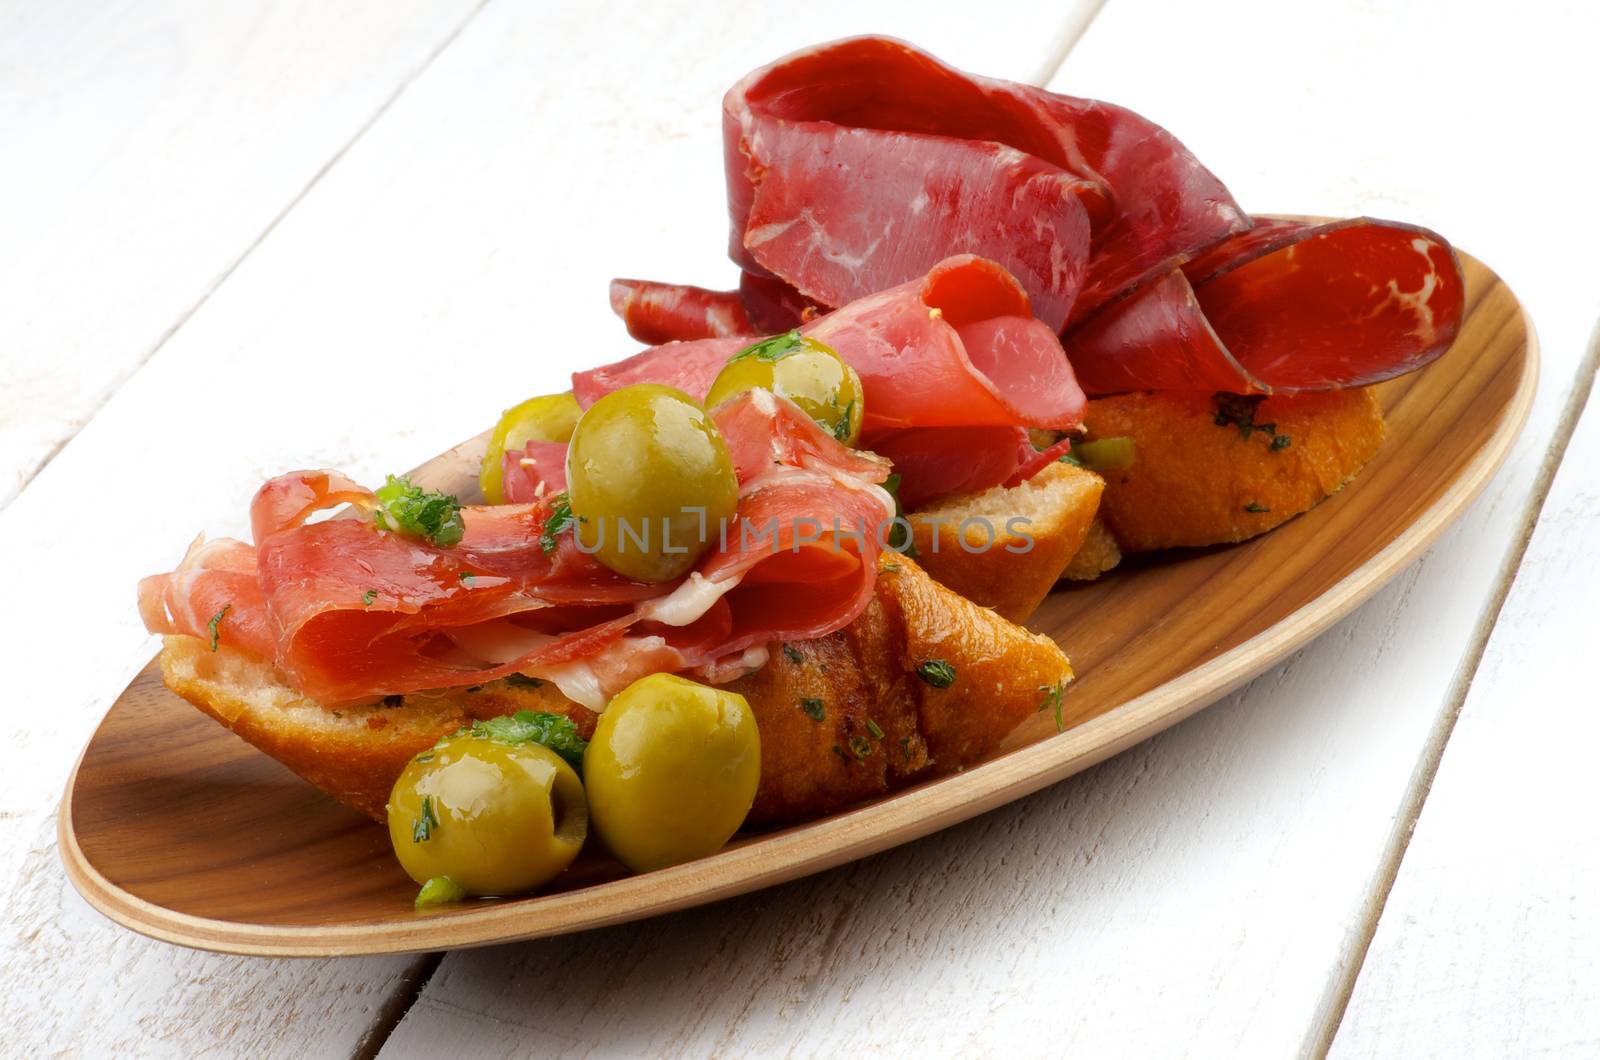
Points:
x=233 y=266
x=418 y=975
x=1320 y=1039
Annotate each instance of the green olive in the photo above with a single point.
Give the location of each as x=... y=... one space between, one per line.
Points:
x=497 y=818
x=549 y=418
x=808 y=373
x=650 y=480
x=672 y=771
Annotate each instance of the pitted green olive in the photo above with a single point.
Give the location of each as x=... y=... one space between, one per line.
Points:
x=650 y=481
x=496 y=818
x=549 y=418
x=805 y=371
x=671 y=771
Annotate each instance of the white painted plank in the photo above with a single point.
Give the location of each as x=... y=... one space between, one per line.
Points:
x=1489 y=945
x=454 y=260
x=146 y=146
x=1204 y=894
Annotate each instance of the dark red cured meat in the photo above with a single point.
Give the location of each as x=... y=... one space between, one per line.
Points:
x=1296 y=307
x=349 y=611
x=664 y=312
x=938 y=462
x=854 y=166
x=956 y=347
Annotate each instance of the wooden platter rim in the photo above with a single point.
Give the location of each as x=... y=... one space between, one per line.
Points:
x=818 y=845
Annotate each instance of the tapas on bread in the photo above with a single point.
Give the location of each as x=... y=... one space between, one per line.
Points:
x=985 y=340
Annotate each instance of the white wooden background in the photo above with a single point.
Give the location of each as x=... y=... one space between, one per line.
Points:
x=238 y=238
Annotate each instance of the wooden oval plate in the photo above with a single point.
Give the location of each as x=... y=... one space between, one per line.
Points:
x=175 y=828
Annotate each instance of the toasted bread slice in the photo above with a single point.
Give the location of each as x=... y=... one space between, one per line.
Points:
x=1004 y=548
x=1204 y=475
x=1098 y=554
x=864 y=673
x=353 y=753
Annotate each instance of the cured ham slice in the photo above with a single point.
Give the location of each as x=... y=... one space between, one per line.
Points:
x=938 y=462
x=663 y=312
x=349 y=611
x=1284 y=308
x=958 y=346
x=539 y=470
x=856 y=165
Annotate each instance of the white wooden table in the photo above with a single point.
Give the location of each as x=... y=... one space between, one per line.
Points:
x=238 y=238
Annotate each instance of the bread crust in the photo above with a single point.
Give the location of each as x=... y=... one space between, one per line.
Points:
x=1195 y=482
x=864 y=673
x=970 y=545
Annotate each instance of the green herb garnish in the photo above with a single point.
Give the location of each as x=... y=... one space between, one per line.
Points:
x=215 y=625
x=841 y=430
x=905 y=747
x=523 y=681
x=1052 y=700
x=1239 y=410
x=559 y=521
x=891 y=568
x=815 y=709
x=872 y=727
x=899 y=532
x=774 y=349
x=406 y=509
x=860 y=747
x=1256 y=509
x=840 y=752
x=422 y=828
x=441 y=890
x=554 y=731
x=792 y=653
x=937 y=673
x=369 y=596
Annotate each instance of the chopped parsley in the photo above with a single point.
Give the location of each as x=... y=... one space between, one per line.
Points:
x=891 y=568
x=860 y=746
x=426 y=821
x=841 y=430
x=815 y=709
x=792 y=653
x=937 y=673
x=1052 y=700
x=1256 y=509
x=369 y=596
x=406 y=509
x=554 y=731
x=559 y=521
x=215 y=625
x=905 y=747
x=900 y=530
x=1239 y=410
x=774 y=349
x=440 y=890
x=872 y=727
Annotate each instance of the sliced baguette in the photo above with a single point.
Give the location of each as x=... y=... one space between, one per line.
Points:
x=867 y=671
x=971 y=545
x=1194 y=481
